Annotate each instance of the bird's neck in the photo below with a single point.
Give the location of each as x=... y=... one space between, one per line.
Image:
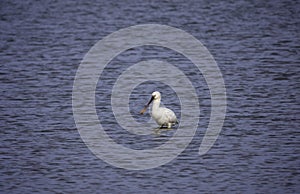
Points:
x=156 y=104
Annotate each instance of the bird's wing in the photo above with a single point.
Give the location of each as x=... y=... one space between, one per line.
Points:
x=170 y=115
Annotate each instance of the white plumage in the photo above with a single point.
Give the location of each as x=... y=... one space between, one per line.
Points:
x=163 y=116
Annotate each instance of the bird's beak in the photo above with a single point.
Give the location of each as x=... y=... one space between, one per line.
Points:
x=147 y=105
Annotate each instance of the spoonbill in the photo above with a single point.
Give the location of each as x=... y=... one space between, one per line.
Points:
x=163 y=116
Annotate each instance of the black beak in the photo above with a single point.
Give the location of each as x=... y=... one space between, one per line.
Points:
x=147 y=105
x=152 y=98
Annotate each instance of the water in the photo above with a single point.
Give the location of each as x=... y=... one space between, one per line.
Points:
x=255 y=44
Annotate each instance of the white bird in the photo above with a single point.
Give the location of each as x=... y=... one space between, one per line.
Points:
x=163 y=116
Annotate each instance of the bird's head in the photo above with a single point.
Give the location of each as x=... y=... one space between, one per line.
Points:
x=156 y=95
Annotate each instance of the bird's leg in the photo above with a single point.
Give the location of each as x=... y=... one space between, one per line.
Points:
x=169 y=125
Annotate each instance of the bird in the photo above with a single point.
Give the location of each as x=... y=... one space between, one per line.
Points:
x=163 y=116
